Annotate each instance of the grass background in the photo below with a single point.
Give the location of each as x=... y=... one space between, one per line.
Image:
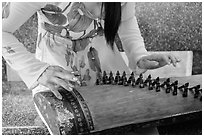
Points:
x=164 y=27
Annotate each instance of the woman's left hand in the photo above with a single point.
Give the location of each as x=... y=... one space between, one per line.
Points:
x=155 y=61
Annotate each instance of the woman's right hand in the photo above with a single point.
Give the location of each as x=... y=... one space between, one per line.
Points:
x=54 y=77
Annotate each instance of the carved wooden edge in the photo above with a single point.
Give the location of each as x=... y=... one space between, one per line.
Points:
x=67 y=116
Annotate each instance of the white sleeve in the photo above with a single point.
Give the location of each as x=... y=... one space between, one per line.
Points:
x=131 y=38
x=28 y=67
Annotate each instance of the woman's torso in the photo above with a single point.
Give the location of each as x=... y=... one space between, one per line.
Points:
x=71 y=37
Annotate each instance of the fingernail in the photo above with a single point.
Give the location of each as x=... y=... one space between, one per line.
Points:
x=74 y=72
x=70 y=85
x=156 y=63
x=59 y=97
x=70 y=89
x=78 y=82
x=74 y=78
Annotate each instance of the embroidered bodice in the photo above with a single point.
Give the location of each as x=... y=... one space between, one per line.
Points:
x=73 y=22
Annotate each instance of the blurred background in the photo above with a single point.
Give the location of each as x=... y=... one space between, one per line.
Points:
x=174 y=26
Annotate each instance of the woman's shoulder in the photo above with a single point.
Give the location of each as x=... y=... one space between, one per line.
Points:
x=128 y=10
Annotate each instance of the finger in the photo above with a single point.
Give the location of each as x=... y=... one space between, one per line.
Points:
x=173 y=60
x=54 y=90
x=58 y=68
x=66 y=85
x=74 y=76
x=71 y=84
x=146 y=64
x=178 y=59
x=75 y=73
x=166 y=60
x=65 y=71
x=162 y=60
x=154 y=57
x=67 y=76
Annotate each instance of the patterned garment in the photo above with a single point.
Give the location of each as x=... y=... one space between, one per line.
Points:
x=69 y=32
x=71 y=37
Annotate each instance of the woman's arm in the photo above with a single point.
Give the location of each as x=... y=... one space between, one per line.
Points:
x=131 y=38
x=139 y=59
x=28 y=67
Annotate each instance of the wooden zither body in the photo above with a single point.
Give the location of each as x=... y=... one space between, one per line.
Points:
x=108 y=105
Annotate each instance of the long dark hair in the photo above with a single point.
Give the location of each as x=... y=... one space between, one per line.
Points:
x=112 y=20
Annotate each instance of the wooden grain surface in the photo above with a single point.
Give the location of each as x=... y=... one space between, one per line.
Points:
x=113 y=106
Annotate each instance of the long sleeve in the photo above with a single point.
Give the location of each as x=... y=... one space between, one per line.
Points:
x=28 y=67
x=131 y=38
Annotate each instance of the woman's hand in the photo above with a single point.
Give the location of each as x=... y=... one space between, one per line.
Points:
x=154 y=61
x=54 y=77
